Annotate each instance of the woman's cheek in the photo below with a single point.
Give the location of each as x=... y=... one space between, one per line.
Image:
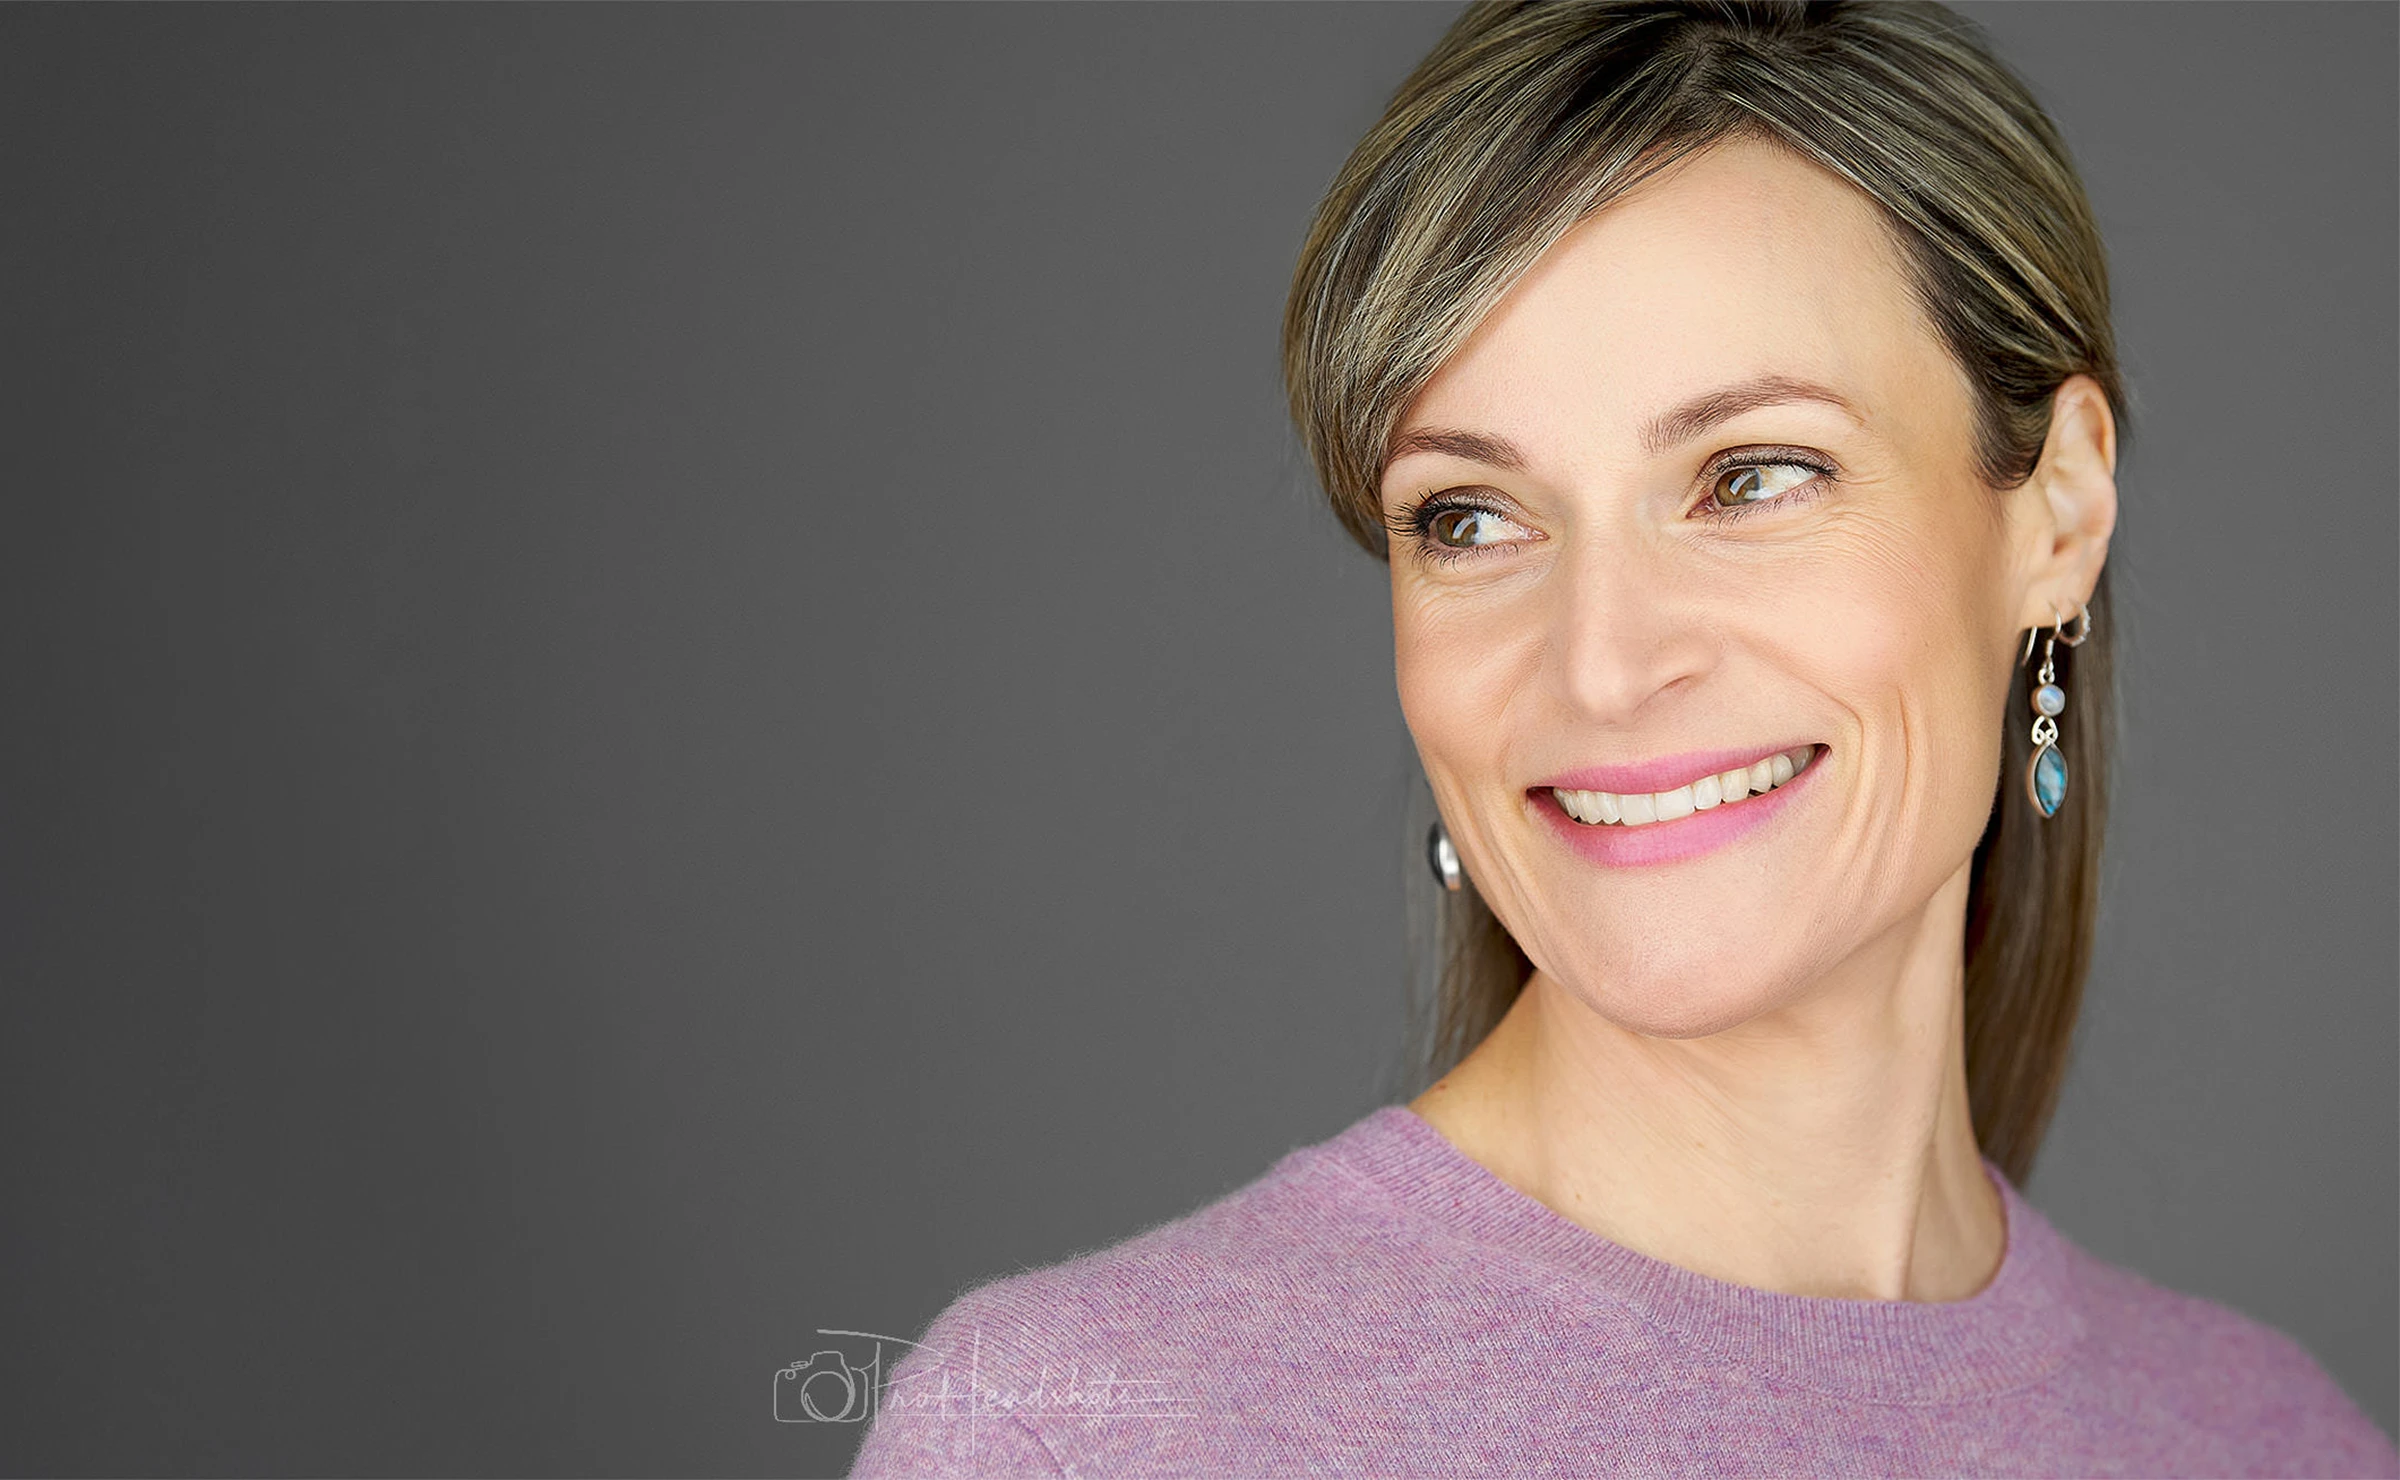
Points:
x=1918 y=662
x=1452 y=675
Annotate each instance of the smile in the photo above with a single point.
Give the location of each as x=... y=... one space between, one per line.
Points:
x=1724 y=797
x=1722 y=789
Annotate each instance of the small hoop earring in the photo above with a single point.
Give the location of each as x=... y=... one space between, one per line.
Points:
x=2046 y=772
x=1444 y=858
x=2083 y=629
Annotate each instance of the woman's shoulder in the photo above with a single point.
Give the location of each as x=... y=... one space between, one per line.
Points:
x=1310 y=1231
x=2173 y=1351
x=1305 y=1269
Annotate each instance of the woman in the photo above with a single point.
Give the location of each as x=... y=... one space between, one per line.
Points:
x=1731 y=391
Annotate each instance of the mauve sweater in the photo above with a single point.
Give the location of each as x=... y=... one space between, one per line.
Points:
x=1380 y=1304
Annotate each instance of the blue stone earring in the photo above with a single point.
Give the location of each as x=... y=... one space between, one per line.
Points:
x=2046 y=773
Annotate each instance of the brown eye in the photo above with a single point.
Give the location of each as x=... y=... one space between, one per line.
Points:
x=1447 y=529
x=1756 y=483
x=1455 y=521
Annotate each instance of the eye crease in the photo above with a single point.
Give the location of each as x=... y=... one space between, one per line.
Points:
x=1736 y=487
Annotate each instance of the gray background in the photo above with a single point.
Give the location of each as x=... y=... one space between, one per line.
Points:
x=672 y=679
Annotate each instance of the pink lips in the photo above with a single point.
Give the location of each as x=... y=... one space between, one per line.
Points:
x=1666 y=773
x=1615 y=846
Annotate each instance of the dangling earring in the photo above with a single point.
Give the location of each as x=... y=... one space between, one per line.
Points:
x=2046 y=773
x=1444 y=858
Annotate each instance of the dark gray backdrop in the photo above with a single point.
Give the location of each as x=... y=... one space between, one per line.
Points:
x=672 y=680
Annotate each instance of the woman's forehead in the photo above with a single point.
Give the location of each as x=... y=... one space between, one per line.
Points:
x=1740 y=264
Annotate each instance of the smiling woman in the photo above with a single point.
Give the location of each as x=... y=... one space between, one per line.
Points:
x=1730 y=390
x=1802 y=549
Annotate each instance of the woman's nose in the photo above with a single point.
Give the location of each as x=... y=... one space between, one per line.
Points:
x=1623 y=627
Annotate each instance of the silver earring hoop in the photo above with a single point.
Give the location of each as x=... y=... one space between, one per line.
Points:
x=1444 y=858
x=2083 y=629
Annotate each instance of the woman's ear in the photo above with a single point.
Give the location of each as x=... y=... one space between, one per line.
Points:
x=2069 y=504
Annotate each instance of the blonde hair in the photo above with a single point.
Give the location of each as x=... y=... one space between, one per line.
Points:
x=1527 y=117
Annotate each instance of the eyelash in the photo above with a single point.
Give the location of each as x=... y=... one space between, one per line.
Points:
x=1415 y=523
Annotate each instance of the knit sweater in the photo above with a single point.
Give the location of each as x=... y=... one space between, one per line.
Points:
x=1380 y=1303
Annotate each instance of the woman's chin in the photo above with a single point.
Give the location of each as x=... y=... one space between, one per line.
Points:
x=1675 y=996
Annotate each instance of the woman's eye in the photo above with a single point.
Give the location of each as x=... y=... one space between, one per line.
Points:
x=1456 y=527
x=1755 y=483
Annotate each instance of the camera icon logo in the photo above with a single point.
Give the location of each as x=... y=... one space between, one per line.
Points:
x=826 y=1389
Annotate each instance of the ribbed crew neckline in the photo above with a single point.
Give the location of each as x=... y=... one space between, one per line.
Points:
x=2016 y=1330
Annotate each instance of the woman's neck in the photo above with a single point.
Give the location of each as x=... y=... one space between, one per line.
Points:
x=1821 y=1148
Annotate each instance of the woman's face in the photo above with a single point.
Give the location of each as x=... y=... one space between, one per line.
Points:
x=1717 y=502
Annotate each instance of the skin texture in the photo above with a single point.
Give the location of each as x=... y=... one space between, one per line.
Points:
x=1747 y=1063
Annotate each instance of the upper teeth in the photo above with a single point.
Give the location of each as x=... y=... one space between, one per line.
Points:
x=1683 y=801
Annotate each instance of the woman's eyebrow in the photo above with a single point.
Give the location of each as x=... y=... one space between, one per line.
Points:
x=1697 y=415
x=1479 y=447
x=1666 y=430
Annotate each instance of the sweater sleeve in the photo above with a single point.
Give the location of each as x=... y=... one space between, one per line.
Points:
x=916 y=1444
x=2329 y=1434
x=947 y=1408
